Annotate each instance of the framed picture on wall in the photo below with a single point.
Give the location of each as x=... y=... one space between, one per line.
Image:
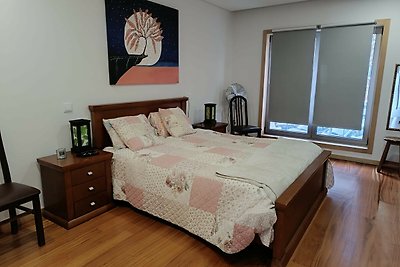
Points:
x=142 y=40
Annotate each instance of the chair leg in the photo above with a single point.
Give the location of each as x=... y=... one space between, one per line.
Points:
x=14 y=222
x=259 y=133
x=384 y=155
x=38 y=221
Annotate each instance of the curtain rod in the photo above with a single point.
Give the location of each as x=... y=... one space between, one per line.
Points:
x=322 y=27
x=348 y=25
x=295 y=29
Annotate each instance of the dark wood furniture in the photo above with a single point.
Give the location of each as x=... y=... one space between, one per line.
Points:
x=238 y=117
x=76 y=189
x=296 y=206
x=14 y=195
x=218 y=126
x=384 y=163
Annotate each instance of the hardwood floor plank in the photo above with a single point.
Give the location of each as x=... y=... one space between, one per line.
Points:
x=390 y=190
x=356 y=225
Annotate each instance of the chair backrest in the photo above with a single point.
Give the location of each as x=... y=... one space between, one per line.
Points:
x=238 y=111
x=4 y=164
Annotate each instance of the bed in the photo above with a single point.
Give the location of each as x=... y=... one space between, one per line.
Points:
x=294 y=208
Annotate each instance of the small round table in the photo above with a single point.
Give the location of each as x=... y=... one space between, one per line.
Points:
x=390 y=140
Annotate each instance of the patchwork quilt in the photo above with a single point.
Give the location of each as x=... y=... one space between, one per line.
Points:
x=177 y=182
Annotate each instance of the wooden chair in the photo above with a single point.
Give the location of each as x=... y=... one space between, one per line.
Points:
x=239 y=117
x=384 y=163
x=13 y=195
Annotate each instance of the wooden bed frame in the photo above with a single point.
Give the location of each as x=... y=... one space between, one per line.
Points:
x=296 y=206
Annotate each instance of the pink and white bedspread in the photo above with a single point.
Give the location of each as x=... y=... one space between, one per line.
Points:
x=177 y=182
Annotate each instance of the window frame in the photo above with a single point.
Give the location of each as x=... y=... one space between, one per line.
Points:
x=328 y=142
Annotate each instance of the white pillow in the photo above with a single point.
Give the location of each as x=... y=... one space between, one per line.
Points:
x=115 y=139
x=176 y=121
x=135 y=131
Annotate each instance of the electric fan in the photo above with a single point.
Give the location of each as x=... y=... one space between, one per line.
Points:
x=233 y=90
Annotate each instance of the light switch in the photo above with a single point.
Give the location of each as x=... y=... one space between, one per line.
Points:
x=67 y=107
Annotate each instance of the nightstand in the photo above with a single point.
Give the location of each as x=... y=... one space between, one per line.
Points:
x=218 y=126
x=76 y=189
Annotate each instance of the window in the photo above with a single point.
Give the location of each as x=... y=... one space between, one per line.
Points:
x=320 y=83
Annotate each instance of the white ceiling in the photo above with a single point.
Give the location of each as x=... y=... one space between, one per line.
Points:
x=235 y=5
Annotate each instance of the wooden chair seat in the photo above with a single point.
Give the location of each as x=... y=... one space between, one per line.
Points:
x=12 y=194
x=246 y=129
x=392 y=139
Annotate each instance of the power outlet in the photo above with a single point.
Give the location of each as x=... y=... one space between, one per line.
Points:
x=68 y=107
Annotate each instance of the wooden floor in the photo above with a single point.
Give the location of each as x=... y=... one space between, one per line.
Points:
x=358 y=224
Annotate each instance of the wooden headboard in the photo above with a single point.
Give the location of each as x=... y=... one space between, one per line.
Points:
x=108 y=111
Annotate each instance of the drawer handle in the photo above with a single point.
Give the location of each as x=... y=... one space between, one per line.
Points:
x=91 y=188
x=92 y=203
x=89 y=173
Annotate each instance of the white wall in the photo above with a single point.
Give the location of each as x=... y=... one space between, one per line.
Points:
x=54 y=52
x=249 y=25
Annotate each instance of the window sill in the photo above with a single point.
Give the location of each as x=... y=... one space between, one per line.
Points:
x=331 y=146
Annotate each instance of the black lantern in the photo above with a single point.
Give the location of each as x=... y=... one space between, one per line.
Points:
x=80 y=135
x=209 y=113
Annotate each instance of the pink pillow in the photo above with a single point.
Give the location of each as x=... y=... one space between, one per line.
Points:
x=176 y=121
x=135 y=131
x=115 y=139
x=156 y=122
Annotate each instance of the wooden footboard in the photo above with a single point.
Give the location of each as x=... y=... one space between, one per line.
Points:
x=296 y=207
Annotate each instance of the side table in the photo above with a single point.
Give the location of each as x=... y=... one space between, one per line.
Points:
x=76 y=189
x=218 y=126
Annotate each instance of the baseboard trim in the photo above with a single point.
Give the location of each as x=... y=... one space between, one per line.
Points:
x=358 y=160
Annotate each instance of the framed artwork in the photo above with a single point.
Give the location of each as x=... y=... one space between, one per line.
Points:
x=142 y=39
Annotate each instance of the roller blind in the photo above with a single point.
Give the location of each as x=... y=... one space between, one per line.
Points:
x=291 y=75
x=342 y=76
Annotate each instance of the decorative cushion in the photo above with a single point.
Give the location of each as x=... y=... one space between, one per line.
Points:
x=135 y=131
x=176 y=121
x=115 y=139
x=156 y=122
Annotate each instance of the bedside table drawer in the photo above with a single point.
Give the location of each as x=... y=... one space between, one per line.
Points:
x=87 y=173
x=90 y=188
x=91 y=203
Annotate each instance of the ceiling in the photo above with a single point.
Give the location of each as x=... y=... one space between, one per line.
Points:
x=235 y=5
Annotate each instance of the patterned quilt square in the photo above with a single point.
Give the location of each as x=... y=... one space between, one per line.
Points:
x=223 y=151
x=205 y=194
x=167 y=161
